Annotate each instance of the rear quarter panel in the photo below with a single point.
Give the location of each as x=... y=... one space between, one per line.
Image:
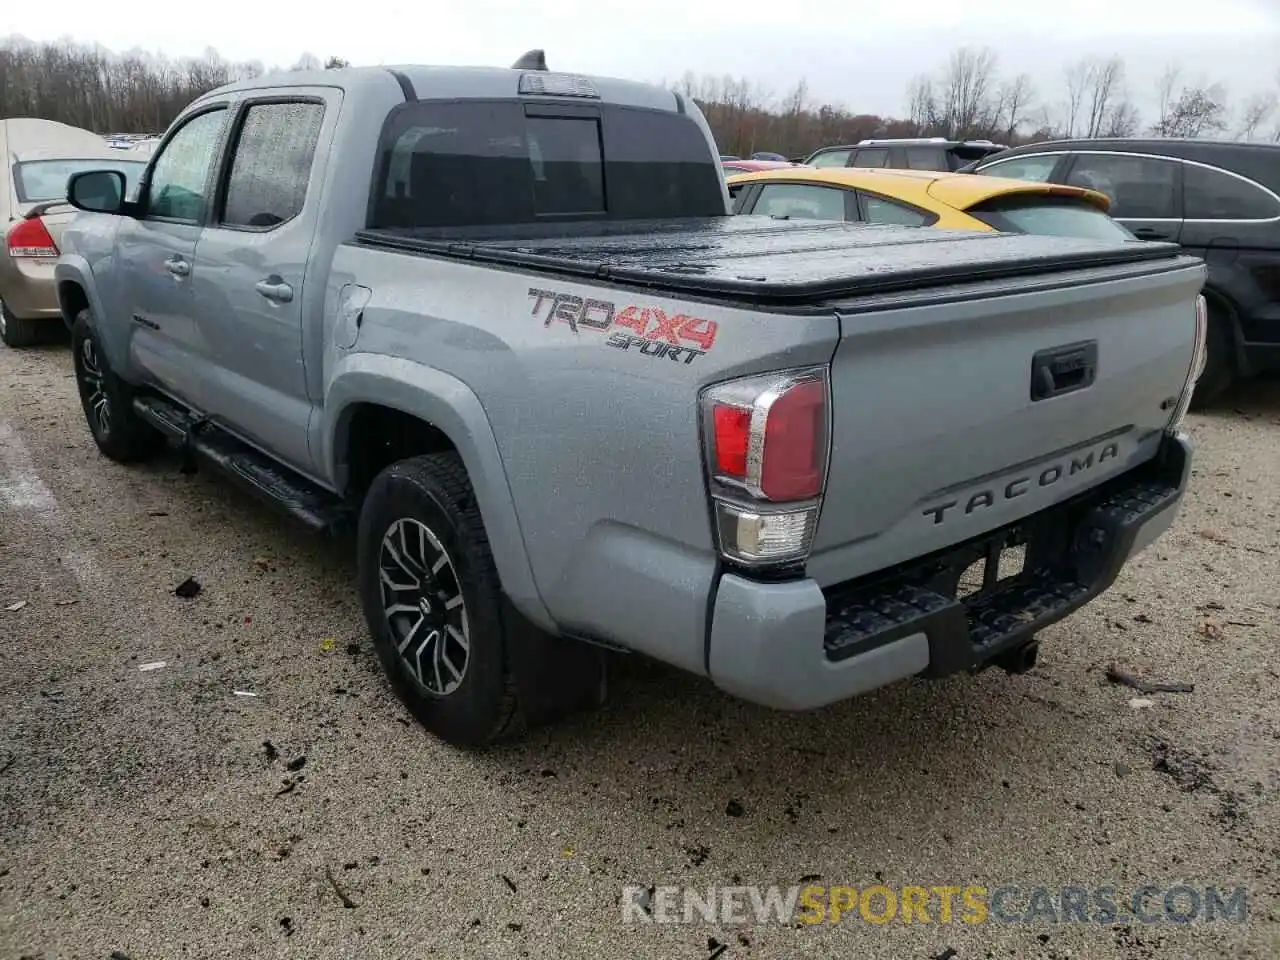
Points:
x=599 y=442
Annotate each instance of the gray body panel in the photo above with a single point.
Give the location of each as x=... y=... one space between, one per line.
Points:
x=584 y=451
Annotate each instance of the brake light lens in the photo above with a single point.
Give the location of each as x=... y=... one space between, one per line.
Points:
x=767 y=439
x=29 y=239
x=732 y=435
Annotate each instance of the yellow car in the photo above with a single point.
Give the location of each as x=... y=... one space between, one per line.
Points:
x=926 y=198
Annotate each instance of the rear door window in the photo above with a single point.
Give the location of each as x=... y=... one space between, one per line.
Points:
x=872 y=157
x=800 y=201
x=1140 y=188
x=1210 y=194
x=271 y=166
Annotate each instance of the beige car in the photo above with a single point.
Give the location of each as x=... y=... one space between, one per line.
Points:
x=39 y=156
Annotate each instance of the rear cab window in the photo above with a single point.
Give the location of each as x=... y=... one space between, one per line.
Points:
x=505 y=162
x=1048 y=215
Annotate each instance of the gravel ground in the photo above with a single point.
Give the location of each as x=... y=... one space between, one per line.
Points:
x=141 y=812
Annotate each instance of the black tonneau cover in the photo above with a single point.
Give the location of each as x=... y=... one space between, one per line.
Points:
x=788 y=262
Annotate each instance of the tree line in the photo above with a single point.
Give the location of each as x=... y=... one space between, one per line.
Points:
x=92 y=88
x=966 y=97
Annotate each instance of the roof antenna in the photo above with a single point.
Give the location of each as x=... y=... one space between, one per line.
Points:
x=531 y=60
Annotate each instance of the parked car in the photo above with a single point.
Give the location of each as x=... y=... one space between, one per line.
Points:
x=39 y=157
x=766 y=155
x=730 y=168
x=569 y=410
x=1219 y=200
x=924 y=153
x=921 y=199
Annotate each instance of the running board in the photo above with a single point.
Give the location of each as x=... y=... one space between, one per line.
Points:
x=315 y=508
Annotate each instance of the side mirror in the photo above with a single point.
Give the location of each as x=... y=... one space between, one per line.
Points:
x=97 y=191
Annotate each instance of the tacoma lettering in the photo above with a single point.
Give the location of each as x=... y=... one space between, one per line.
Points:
x=1019 y=486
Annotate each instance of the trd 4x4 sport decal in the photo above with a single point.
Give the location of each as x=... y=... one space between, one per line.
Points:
x=679 y=337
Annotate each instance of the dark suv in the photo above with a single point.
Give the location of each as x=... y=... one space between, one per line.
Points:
x=1220 y=200
x=931 y=153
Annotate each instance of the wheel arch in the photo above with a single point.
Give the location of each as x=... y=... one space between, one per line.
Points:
x=422 y=410
x=1223 y=305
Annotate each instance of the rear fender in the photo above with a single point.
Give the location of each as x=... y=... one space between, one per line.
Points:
x=450 y=406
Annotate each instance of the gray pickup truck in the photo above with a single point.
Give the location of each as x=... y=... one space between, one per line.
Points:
x=501 y=323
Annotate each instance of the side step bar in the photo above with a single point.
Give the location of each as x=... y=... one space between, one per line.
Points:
x=315 y=508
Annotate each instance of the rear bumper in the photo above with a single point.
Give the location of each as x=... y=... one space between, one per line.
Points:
x=793 y=646
x=28 y=289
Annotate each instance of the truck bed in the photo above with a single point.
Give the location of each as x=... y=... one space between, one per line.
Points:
x=789 y=263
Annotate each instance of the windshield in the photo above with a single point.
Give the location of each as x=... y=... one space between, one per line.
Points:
x=1050 y=216
x=38 y=181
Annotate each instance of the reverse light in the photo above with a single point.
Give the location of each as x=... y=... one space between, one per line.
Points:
x=767 y=439
x=30 y=239
x=1199 y=355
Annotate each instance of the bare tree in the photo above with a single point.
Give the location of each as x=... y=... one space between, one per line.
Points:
x=1105 y=86
x=1016 y=97
x=922 y=104
x=1257 y=110
x=1123 y=120
x=1196 y=112
x=1077 y=76
x=968 y=84
x=1165 y=87
x=336 y=63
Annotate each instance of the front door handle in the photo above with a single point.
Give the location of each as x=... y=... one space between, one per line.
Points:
x=274 y=289
x=178 y=267
x=1150 y=233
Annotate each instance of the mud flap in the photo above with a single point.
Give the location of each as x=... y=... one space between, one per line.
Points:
x=554 y=676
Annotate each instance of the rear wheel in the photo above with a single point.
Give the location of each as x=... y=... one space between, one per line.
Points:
x=1220 y=360
x=119 y=432
x=19 y=332
x=432 y=600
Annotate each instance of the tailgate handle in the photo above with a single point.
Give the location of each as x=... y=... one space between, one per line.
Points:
x=1064 y=369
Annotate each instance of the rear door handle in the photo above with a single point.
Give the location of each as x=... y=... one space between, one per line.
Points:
x=274 y=289
x=178 y=267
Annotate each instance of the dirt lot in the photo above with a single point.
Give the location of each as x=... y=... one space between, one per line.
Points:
x=143 y=812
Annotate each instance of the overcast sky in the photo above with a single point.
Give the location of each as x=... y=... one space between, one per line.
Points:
x=862 y=58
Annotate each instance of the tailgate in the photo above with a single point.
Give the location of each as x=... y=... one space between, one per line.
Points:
x=958 y=414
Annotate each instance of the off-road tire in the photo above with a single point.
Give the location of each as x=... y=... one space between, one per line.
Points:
x=21 y=332
x=433 y=490
x=125 y=437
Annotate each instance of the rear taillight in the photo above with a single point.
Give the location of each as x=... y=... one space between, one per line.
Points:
x=767 y=439
x=30 y=239
x=1199 y=354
